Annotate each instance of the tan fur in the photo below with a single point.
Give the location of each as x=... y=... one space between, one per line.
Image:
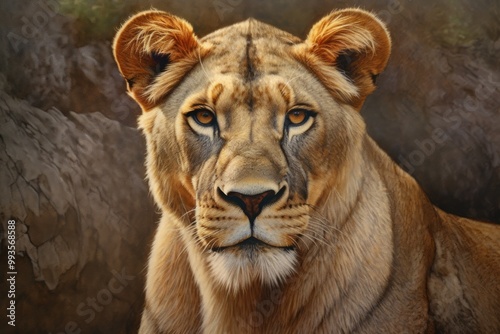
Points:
x=347 y=241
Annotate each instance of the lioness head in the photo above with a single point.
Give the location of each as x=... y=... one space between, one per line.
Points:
x=248 y=130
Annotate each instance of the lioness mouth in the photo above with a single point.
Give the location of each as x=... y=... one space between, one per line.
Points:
x=252 y=244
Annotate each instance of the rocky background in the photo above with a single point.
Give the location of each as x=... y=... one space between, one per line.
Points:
x=71 y=161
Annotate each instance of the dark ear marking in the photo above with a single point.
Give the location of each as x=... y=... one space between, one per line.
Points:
x=161 y=62
x=344 y=61
x=130 y=83
x=374 y=78
x=355 y=44
x=153 y=51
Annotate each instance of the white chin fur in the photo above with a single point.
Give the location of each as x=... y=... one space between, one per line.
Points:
x=237 y=269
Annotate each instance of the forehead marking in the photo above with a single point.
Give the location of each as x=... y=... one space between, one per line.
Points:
x=250 y=55
x=285 y=92
x=216 y=92
x=250 y=67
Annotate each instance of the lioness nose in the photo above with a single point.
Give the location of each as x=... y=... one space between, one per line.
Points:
x=252 y=205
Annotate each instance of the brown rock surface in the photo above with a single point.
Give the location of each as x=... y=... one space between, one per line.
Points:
x=47 y=65
x=75 y=187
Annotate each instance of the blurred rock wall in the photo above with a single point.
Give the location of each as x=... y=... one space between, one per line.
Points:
x=75 y=187
x=46 y=64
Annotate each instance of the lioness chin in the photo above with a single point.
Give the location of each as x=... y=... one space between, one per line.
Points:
x=280 y=214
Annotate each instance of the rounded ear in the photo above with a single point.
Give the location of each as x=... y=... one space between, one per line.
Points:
x=348 y=49
x=154 y=50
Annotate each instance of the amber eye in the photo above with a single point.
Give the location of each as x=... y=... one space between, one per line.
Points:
x=297 y=117
x=203 y=117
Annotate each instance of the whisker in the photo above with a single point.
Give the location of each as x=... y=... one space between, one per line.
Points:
x=187 y=213
x=203 y=67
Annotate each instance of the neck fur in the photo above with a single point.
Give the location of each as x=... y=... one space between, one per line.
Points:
x=343 y=268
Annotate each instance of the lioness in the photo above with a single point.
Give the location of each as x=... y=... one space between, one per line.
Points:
x=280 y=213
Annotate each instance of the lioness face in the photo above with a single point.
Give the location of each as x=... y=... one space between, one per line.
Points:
x=249 y=133
x=249 y=139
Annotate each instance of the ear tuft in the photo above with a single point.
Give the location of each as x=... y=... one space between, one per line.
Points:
x=149 y=45
x=356 y=44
